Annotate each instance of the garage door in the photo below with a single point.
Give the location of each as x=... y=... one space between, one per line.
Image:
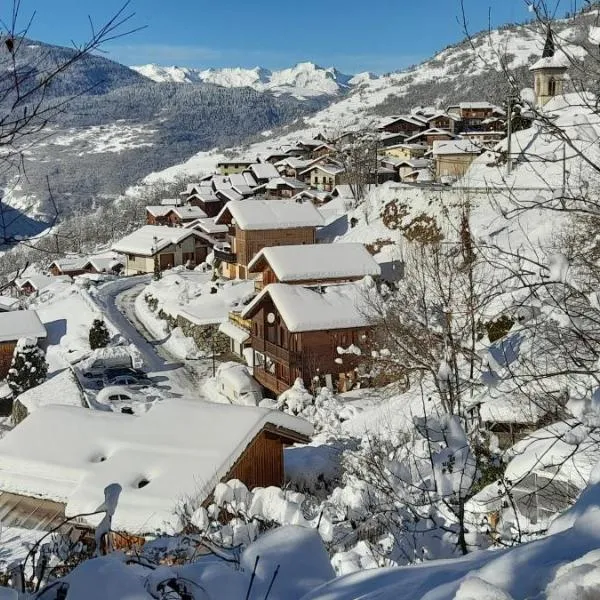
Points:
x=167 y=260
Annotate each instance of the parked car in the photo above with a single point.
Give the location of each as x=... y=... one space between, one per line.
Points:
x=235 y=383
x=125 y=377
x=119 y=398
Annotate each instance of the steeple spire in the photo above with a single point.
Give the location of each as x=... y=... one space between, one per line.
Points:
x=549 y=47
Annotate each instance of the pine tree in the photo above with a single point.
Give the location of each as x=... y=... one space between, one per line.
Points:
x=157 y=271
x=99 y=336
x=28 y=368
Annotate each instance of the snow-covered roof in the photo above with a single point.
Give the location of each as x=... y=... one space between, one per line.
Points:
x=234 y=332
x=442 y=147
x=189 y=212
x=8 y=303
x=18 y=324
x=558 y=61
x=159 y=211
x=229 y=194
x=70 y=263
x=180 y=449
x=37 y=282
x=312 y=262
x=325 y=168
x=412 y=119
x=441 y=114
x=264 y=170
x=237 y=161
x=208 y=225
x=104 y=263
x=206 y=195
x=430 y=131
x=290 y=182
x=304 y=309
x=294 y=162
x=62 y=388
x=271 y=214
x=150 y=239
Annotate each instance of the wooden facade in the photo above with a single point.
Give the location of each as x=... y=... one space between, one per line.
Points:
x=246 y=244
x=401 y=125
x=6 y=355
x=281 y=356
x=212 y=208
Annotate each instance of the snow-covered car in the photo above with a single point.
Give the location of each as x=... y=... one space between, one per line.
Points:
x=235 y=383
x=123 y=399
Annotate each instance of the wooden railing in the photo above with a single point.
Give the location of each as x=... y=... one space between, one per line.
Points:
x=273 y=351
x=237 y=319
x=224 y=254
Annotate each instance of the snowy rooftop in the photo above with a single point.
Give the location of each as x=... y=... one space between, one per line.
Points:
x=159 y=211
x=150 y=239
x=38 y=282
x=18 y=324
x=180 y=448
x=325 y=168
x=264 y=171
x=558 y=61
x=8 y=303
x=189 y=212
x=70 y=263
x=442 y=147
x=208 y=225
x=290 y=182
x=316 y=262
x=303 y=309
x=230 y=194
x=430 y=131
x=271 y=214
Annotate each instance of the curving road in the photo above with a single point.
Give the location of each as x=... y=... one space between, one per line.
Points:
x=116 y=300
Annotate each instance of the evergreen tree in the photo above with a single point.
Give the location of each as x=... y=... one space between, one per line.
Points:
x=157 y=271
x=99 y=336
x=28 y=368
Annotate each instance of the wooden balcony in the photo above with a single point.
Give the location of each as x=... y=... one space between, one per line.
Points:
x=223 y=252
x=236 y=319
x=274 y=352
x=269 y=381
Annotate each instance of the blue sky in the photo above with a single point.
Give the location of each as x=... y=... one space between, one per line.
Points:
x=352 y=35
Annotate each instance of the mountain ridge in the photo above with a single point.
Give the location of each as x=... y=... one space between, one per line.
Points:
x=304 y=79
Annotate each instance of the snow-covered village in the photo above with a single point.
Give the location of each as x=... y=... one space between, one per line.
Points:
x=283 y=333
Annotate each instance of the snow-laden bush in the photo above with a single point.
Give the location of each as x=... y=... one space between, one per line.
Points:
x=28 y=367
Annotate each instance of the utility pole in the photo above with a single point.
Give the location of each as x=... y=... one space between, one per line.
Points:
x=509 y=136
x=564 y=171
x=376 y=165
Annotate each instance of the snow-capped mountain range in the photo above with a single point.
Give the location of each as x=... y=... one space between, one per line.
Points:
x=302 y=80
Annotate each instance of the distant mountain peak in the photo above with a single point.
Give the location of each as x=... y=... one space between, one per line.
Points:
x=304 y=79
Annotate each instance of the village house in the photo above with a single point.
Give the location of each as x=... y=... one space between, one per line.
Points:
x=60 y=459
x=227 y=167
x=453 y=158
x=406 y=124
x=322 y=151
x=15 y=325
x=263 y=172
x=323 y=176
x=208 y=201
x=442 y=120
x=171 y=247
x=473 y=114
x=8 y=303
x=406 y=151
x=70 y=266
x=256 y=224
x=391 y=139
x=158 y=215
x=297 y=332
x=292 y=166
x=284 y=187
x=34 y=284
x=484 y=138
x=104 y=264
x=210 y=228
x=429 y=136
x=317 y=197
x=407 y=167
x=313 y=264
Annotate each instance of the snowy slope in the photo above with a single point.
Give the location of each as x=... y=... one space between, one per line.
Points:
x=303 y=80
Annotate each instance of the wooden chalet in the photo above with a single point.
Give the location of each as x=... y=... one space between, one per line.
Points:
x=299 y=332
x=15 y=325
x=313 y=264
x=429 y=136
x=406 y=124
x=443 y=120
x=70 y=266
x=473 y=114
x=323 y=176
x=257 y=224
x=178 y=451
x=169 y=246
